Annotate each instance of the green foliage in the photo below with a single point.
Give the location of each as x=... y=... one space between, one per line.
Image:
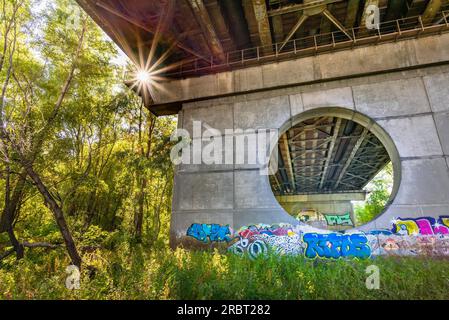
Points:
x=91 y=156
x=379 y=193
x=134 y=272
x=92 y=236
x=92 y=151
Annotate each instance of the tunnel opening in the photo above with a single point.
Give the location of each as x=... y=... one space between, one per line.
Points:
x=335 y=169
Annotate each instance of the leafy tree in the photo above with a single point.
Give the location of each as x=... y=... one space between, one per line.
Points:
x=379 y=193
x=74 y=141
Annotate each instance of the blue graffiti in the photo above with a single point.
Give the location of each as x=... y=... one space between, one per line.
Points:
x=210 y=232
x=380 y=232
x=335 y=246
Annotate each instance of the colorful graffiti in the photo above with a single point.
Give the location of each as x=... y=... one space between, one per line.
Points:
x=339 y=220
x=270 y=230
x=256 y=240
x=379 y=232
x=210 y=232
x=253 y=249
x=408 y=237
x=422 y=226
x=397 y=245
x=336 y=246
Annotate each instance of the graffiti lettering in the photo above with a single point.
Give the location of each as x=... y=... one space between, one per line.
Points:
x=339 y=220
x=409 y=237
x=253 y=249
x=379 y=232
x=248 y=232
x=335 y=246
x=421 y=226
x=210 y=232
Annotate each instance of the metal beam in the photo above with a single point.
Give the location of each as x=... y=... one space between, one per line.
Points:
x=307 y=140
x=292 y=32
x=278 y=28
x=277 y=182
x=432 y=8
x=351 y=156
x=309 y=179
x=325 y=24
x=285 y=151
x=312 y=127
x=203 y=19
x=349 y=185
x=331 y=151
x=337 y=23
x=309 y=159
x=356 y=176
x=300 y=7
x=351 y=15
x=322 y=197
x=364 y=164
x=444 y=16
x=220 y=25
x=313 y=8
x=263 y=24
x=149 y=29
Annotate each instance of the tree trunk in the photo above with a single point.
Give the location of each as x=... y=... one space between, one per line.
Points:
x=18 y=247
x=27 y=161
x=58 y=214
x=90 y=209
x=138 y=216
x=157 y=218
x=12 y=204
x=8 y=214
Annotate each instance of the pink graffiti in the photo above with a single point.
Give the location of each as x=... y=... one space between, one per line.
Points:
x=441 y=230
x=251 y=231
x=423 y=226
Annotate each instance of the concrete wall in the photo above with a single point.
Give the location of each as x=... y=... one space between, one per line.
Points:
x=360 y=61
x=410 y=105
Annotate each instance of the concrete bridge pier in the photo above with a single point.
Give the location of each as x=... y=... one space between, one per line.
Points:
x=400 y=90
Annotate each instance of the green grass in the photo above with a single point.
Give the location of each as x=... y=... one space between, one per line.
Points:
x=136 y=273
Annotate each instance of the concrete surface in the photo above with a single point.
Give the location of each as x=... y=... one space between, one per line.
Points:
x=398 y=86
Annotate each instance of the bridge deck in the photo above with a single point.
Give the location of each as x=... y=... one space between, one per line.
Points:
x=208 y=36
x=189 y=38
x=327 y=154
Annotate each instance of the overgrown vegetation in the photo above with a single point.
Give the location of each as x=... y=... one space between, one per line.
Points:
x=81 y=159
x=135 y=272
x=379 y=190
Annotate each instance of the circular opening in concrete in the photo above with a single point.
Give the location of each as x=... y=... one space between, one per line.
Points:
x=334 y=169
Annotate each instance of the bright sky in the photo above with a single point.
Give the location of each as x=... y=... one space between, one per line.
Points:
x=121 y=59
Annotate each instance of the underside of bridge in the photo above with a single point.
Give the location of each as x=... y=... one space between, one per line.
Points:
x=324 y=163
x=327 y=155
x=186 y=38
